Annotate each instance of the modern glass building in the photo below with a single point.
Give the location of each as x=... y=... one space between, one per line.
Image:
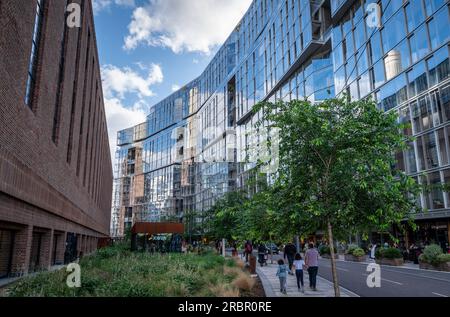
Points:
x=184 y=156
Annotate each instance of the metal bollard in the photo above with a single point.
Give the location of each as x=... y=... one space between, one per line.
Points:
x=252 y=266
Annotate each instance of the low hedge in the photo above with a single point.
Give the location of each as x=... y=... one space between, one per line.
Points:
x=358 y=252
x=434 y=255
x=389 y=253
x=355 y=251
x=324 y=249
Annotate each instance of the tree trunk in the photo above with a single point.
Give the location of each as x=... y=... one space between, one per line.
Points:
x=337 y=291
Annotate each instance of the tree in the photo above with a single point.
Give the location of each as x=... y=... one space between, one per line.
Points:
x=336 y=167
x=225 y=218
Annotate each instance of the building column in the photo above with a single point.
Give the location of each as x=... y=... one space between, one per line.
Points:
x=79 y=243
x=46 y=250
x=22 y=251
x=89 y=245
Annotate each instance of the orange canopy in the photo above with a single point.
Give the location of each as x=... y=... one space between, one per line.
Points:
x=157 y=227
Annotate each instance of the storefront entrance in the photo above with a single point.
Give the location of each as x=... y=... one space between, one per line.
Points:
x=431 y=232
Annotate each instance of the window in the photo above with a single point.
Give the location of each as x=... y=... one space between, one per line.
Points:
x=419 y=44
x=360 y=35
x=375 y=45
x=414 y=14
x=363 y=63
x=34 y=56
x=411 y=166
x=351 y=69
x=436 y=196
x=389 y=7
x=432 y=5
x=336 y=35
x=417 y=78
x=393 y=93
x=397 y=60
x=439 y=30
x=394 y=31
x=339 y=79
x=405 y=119
x=364 y=84
x=439 y=66
x=422 y=115
x=378 y=74
x=338 y=56
x=349 y=48
x=443 y=146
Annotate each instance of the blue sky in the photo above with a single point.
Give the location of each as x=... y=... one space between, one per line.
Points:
x=149 y=48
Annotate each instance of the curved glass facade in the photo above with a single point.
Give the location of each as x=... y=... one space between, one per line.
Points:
x=193 y=147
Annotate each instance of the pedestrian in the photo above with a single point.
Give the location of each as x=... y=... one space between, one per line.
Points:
x=262 y=251
x=298 y=265
x=248 y=249
x=312 y=263
x=289 y=252
x=282 y=275
x=373 y=251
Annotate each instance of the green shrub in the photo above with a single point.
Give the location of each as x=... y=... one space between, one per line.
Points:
x=118 y=272
x=351 y=248
x=389 y=253
x=324 y=249
x=358 y=252
x=431 y=254
x=444 y=258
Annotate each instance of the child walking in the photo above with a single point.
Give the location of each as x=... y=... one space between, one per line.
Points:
x=299 y=264
x=282 y=275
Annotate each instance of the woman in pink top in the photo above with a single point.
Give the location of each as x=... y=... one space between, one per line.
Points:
x=312 y=263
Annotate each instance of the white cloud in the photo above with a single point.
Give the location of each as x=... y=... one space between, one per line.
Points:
x=100 y=5
x=195 y=61
x=175 y=87
x=120 y=117
x=119 y=81
x=181 y=25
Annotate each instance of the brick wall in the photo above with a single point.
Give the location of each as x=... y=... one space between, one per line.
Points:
x=60 y=183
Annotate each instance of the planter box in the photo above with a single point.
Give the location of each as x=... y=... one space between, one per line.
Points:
x=352 y=258
x=328 y=256
x=391 y=262
x=445 y=267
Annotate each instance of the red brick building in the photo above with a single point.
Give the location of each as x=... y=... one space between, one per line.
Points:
x=55 y=165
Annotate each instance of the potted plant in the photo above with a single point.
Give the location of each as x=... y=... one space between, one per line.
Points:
x=389 y=256
x=433 y=258
x=325 y=252
x=355 y=254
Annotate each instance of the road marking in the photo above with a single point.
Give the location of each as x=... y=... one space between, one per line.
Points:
x=415 y=275
x=337 y=267
x=341 y=269
x=384 y=279
x=437 y=294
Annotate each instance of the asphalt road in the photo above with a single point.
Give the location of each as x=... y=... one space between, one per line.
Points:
x=395 y=282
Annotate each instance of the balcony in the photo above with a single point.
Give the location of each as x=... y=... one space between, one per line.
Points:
x=339 y=8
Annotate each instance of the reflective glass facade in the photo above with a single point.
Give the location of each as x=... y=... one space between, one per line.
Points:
x=193 y=146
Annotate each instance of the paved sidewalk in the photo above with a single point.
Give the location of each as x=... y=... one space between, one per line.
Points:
x=271 y=285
